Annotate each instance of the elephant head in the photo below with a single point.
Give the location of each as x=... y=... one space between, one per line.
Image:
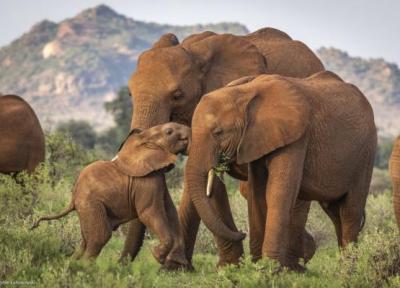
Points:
x=242 y=122
x=170 y=77
x=152 y=149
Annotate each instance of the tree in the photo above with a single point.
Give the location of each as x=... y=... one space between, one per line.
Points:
x=80 y=131
x=383 y=151
x=121 y=110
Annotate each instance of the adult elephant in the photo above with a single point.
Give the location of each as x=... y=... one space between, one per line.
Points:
x=394 y=168
x=22 y=143
x=169 y=81
x=309 y=139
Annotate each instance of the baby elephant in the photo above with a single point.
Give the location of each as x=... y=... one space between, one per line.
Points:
x=132 y=185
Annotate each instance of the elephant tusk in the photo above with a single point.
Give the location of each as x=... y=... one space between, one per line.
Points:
x=210 y=180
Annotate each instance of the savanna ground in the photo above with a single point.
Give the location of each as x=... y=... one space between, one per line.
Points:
x=42 y=257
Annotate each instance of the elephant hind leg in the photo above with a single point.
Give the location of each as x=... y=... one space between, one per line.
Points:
x=96 y=229
x=333 y=211
x=352 y=208
x=352 y=218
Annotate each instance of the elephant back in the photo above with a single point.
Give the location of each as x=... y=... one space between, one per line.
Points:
x=285 y=56
x=22 y=144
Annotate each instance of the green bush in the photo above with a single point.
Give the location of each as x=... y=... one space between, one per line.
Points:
x=42 y=256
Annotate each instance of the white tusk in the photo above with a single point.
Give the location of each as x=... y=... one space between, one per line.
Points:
x=115 y=158
x=210 y=180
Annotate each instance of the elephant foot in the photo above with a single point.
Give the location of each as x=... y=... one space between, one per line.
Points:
x=224 y=262
x=171 y=265
x=309 y=248
x=295 y=267
x=159 y=254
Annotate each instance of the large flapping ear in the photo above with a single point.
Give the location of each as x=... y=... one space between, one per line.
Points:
x=138 y=158
x=276 y=114
x=224 y=58
x=166 y=40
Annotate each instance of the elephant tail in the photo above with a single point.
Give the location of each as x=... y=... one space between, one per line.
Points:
x=63 y=213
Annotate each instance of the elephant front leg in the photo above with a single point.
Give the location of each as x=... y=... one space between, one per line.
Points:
x=229 y=252
x=285 y=169
x=189 y=221
x=133 y=240
x=254 y=189
x=301 y=243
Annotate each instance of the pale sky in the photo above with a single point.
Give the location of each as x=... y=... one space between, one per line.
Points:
x=366 y=28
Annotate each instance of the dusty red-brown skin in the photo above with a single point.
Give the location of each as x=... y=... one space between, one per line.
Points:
x=22 y=145
x=170 y=80
x=132 y=186
x=394 y=168
x=304 y=139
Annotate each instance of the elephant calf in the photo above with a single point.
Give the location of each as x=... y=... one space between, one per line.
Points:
x=132 y=185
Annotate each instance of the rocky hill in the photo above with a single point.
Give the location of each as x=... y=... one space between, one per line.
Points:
x=378 y=79
x=69 y=69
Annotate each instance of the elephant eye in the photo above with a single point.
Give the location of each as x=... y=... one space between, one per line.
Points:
x=168 y=131
x=217 y=131
x=177 y=95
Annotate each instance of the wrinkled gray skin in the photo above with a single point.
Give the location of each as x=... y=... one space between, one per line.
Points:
x=168 y=83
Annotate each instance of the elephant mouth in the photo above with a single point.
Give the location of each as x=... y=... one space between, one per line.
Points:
x=183 y=146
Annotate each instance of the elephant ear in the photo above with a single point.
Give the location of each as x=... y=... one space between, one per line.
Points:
x=276 y=114
x=240 y=81
x=196 y=38
x=138 y=158
x=166 y=40
x=224 y=58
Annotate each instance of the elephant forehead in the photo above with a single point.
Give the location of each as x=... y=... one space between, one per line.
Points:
x=171 y=59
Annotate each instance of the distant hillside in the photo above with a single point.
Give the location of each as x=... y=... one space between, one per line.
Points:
x=68 y=69
x=378 y=79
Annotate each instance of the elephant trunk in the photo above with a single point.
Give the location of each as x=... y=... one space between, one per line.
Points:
x=148 y=114
x=197 y=182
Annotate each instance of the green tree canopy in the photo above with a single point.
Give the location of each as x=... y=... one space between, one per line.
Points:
x=80 y=131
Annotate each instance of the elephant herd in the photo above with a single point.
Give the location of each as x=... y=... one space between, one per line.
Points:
x=262 y=109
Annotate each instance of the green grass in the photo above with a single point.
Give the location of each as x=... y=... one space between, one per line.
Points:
x=42 y=256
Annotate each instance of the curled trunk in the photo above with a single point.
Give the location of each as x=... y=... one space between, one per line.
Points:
x=197 y=185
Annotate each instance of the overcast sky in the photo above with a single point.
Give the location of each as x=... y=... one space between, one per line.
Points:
x=366 y=28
